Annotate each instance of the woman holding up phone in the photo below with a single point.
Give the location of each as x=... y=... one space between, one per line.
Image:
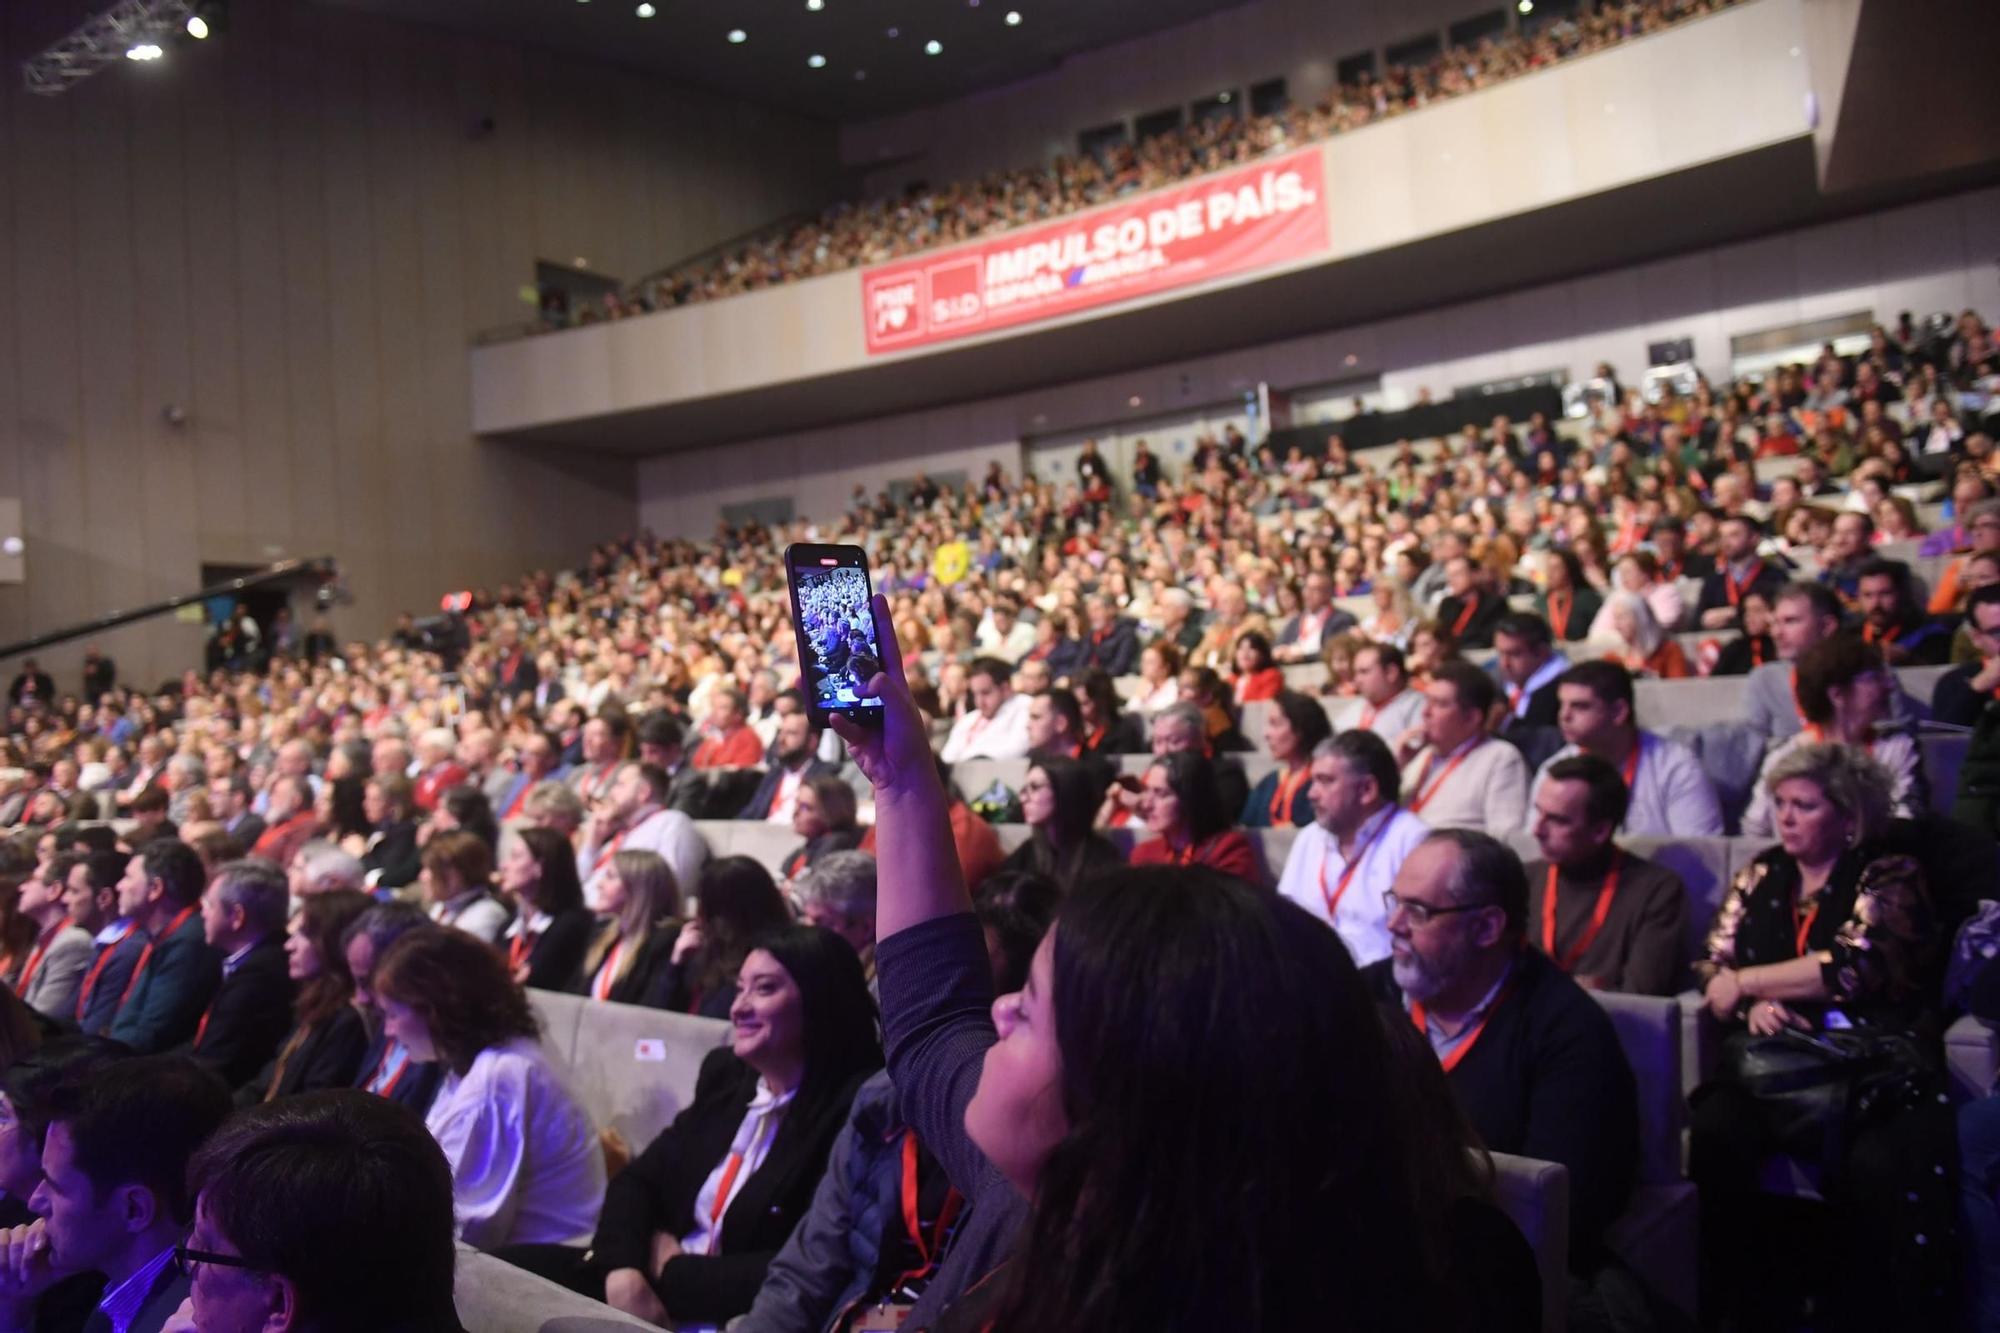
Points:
x=1183 y=1167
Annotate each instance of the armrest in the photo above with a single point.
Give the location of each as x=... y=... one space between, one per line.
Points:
x=1701 y=1040
x=1972 y=1056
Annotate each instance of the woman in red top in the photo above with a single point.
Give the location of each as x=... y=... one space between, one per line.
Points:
x=1180 y=804
x=1257 y=676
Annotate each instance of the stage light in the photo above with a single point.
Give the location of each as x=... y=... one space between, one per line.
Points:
x=1013 y=18
x=815 y=5
x=144 y=51
x=646 y=11
x=737 y=36
x=1526 y=6
x=933 y=47
x=816 y=61
x=197 y=27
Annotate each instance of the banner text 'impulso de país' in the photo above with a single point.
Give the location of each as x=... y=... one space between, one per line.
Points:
x=1253 y=217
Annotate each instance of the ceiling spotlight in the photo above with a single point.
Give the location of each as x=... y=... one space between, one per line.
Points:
x=144 y=51
x=737 y=36
x=197 y=27
x=1224 y=98
x=860 y=74
x=934 y=47
x=816 y=61
x=646 y=10
x=1526 y=6
x=815 y=5
x=1013 y=18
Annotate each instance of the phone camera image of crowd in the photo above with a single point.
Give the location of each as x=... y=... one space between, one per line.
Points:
x=836 y=624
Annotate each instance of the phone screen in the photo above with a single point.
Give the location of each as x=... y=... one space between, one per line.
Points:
x=838 y=650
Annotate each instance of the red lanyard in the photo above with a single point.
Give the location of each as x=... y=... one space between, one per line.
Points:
x=1281 y=799
x=610 y=850
x=721 y=1204
x=1869 y=634
x=1465 y=615
x=1567 y=960
x=97 y=969
x=929 y=1253
x=1559 y=619
x=1632 y=764
x=1093 y=740
x=1464 y=1048
x=394 y=1050
x=146 y=954
x=1424 y=791
x=1756 y=651
x=607 y=973
x=1367 y=721
x=35 y=958
x=1804 y=925
x=1734 y=590
x=518 y=951
x=1347 y=875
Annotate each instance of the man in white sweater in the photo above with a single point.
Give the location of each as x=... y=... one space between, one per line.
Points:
x=1455 y=773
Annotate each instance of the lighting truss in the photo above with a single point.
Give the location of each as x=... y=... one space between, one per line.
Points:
x=103 y=40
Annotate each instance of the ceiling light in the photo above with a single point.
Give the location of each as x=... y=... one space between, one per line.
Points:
x=1013 y=18
x=860 y=74
x=893 y=32
x=737 y=36
x=816 y=61
x=1224 y=98
x=933 y=47
x=1526 y=6
x=1135 y=401
x=815 y=5
x=197 y=27
x=144 y=51
x=646 y=10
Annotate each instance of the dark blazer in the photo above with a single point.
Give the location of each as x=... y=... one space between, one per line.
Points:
x=759 y=804
x=1117 y=653
x=1479 y=625
x=415 y=1089
x=1125 y=736
x=395 y=854
x=248 y=827
x=1765 y=583
x=808 y=853
x=1548 y=1079
x=557 y=957
x=329 y=1056
x=657 y=1192
x=101 y=1006
x=170 y=1288
x=244 y=1024
x=1954 y=700
x=169 y=996
x=643 y=978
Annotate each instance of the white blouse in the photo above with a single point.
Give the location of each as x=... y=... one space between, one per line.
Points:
x=526 y=1165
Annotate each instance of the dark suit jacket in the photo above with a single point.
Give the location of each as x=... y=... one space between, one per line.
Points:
x=169 y=996
x=1954 y=700
x=328 y=1057
x=170 y=1288
x=247 y=829
x=557 y=958
x=648 y=971
x=1715 y=586
x=657 y=1191
x=759 y=804
x=1478 y=631
x=395 y=855
x=102 y=1006
x=1547 y=1078
x=1125 y=736
x=1117 y=653
x=415 y=1089
x=249 y=1017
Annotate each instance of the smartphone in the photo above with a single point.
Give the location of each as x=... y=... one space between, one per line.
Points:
x=838 y=650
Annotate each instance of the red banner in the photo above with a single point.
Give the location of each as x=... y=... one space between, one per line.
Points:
x=1252 y=217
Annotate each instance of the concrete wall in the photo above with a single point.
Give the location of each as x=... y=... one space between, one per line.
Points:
x=290 y=232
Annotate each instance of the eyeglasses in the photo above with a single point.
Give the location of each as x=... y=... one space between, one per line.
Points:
x=1420 y=914
x=187 y=1259
x=1032 y=787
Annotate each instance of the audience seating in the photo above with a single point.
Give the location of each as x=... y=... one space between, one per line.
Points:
x=1535 y=1196
x=634 y=1069
x=493 y=1296
x=1658 y=1234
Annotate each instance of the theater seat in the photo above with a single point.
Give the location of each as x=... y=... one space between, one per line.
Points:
x=634 y=1069
x=1972 y=1055
x=1657 y=1236
x=559 y=1014
x=496 y=1297
x=1535 y=1196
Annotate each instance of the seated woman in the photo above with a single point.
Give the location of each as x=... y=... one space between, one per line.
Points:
x=824 y=815
x=552 y=928
x=1204 y=690
x=642 y=905
x=689 y=1228
x=1257 y=675
x=1107 y=729
x=1059 y=643
x=1431 y=646
x=1639 y=572
x=463 y=808
x=1189 y=980
x=1296 y=725
x=735 y=902
x=1159 y=669
x=1058 y=800
x=389 y=852
x=1338 y=654
x=1754 y=646
x=328 y=1036
x=1827 y=934
x=457 y=868
x=1567 y=601
x=1844 y=692
x=525 y=1160
x=1637 y=642
x=1394 y=614
x=1181 y=805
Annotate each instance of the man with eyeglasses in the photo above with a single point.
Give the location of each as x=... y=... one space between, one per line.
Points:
x=113 y=1197
x=328 y=1211
x=1534 y=1061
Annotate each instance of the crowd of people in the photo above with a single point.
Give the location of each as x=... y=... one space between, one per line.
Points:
x=288 y=914
x=855 y=234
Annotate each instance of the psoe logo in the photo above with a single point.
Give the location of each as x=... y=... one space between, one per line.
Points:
x=894 y=308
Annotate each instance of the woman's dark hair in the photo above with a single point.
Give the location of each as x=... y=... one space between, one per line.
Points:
x=1015 y=909
x=1202 y=1183
x=736 y=900
x=1307 y=720
x=1078 y=789
x=1259 y=644
x=474 y=813
x=1096 y=685
x=1192 y=779
x=348 y=809
x=1835 y=661
x=841 y=1034
x=324 y=919
x=459 y=986
x=558 y=889
x=836 y=801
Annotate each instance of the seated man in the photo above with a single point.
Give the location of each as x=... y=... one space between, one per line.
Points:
x=1524 y=649
x=1739 y=571
x=1891 y=618
x=243 y=914
x=794 y=758
x=731 y=742
x=1470 y=610
x=1965 y=693
x=1318 y=621
x=633 y=817
x=331 y=1210
x=1612 y=920
x=1804 y=614
x=996 y=726
x=176 y=973
x=1669 y=796
x=1113 y=645
x=1389 y=706
x=1455 y=775
x=113 y=1197
x=1534 y=1061
x=1345 y=860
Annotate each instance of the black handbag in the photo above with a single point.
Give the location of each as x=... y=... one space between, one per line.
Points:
x=1818 y=1088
